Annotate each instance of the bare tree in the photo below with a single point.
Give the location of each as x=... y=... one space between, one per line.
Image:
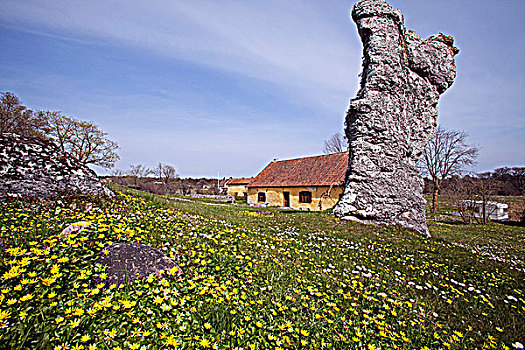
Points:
x=157 y=171
x=138 y=171
x=485 y=187
x=335 y=144
x=165 y=173
x=169 y=173
x=461 y=192
x=117 y=172
x=18 y=119
x=472 y=196
x=447 y=154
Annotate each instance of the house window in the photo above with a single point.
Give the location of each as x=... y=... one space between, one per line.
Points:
x=305 y=197
x=261 y=197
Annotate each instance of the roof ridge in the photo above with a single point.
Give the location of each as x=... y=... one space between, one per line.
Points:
x=318 y=156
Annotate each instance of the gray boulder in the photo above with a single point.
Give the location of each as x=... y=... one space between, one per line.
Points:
x=126 y=261
x=32 y=167
x=392 y=117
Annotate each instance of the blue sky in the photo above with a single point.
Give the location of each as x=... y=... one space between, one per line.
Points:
x=227 y=86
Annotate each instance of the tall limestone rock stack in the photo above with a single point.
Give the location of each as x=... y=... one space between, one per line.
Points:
x=392 y=117
x=31 y=167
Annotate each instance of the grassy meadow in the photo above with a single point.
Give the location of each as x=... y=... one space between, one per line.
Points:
x=255 y=279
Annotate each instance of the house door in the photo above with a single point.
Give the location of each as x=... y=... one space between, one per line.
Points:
x=286 y=199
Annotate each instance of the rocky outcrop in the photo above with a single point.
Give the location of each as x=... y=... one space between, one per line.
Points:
x=126 y=261
x=392 y=117
x=32 y=167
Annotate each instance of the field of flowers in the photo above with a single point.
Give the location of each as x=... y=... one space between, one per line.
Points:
x=268 y=280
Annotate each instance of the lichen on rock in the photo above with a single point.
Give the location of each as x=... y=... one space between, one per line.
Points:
x=392 y=117
x=126 y=261
x=33 y=167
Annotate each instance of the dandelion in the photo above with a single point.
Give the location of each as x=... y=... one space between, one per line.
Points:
x=12 y=273
x=205 y=343
x=78 y=312
x=170 y=340
x=26 y=297
x=128 y=304
x=4 y=314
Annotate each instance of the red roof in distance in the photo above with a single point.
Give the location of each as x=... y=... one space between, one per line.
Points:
x=239 y=181
x=324 y=170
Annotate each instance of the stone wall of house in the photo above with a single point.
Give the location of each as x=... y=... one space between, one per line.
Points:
x=323 y=197
x=32 y=167
x=236 y=190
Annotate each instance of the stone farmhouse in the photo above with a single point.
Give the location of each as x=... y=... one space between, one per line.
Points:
x=237 y=187
x=310 y=183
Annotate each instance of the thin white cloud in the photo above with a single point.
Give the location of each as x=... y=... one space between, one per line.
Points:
x=285 y=43
x=295 y=46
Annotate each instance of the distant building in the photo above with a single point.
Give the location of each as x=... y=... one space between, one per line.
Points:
x=237 y=187
x=223 y=189
x=310 y=183
x=493 y=210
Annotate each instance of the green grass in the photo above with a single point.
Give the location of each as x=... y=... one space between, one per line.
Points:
x=257 y=279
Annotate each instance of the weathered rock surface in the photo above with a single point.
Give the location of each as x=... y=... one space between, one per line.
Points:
x=126 y=261
x=392 y=117
x=31 y=167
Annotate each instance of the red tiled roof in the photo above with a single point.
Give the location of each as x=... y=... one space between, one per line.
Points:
x=239 y=181
x=325 y=170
